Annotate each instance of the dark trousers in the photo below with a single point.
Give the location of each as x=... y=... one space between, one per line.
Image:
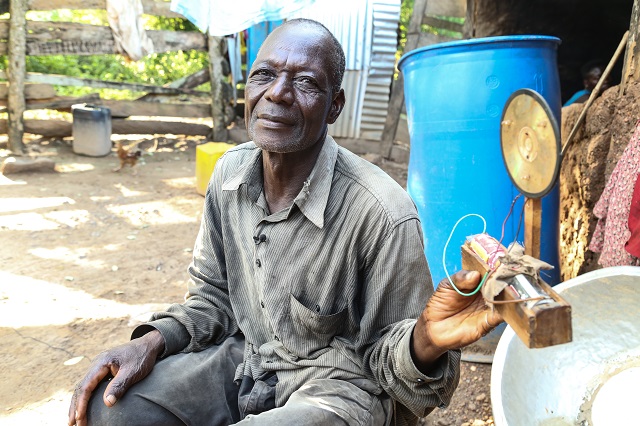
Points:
x=198 y=389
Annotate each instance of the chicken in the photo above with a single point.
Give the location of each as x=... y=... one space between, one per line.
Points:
x=127 y=155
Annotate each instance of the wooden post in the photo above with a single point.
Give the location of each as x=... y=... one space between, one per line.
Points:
x=219 y=131
x=631 y=68
x=532 y=226
x=16 y=74
x=396 y=100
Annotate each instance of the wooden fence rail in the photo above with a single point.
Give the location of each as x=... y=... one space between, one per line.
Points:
x=70 y=38
x=20 y=37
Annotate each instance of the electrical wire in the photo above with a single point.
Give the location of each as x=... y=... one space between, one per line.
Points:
x=444 y=254
x=484 y=228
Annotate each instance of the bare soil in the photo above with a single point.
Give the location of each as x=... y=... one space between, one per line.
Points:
x=86 y=254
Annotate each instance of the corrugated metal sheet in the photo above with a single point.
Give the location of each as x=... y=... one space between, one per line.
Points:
x=347 y=20
x=386 y=14
x=347 y=124
x=367 y=30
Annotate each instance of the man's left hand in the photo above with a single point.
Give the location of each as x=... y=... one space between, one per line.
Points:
x=451 y=320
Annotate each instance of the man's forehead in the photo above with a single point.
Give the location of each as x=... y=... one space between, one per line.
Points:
x=295 y=39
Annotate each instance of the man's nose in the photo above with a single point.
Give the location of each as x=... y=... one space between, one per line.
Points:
x=280 y=90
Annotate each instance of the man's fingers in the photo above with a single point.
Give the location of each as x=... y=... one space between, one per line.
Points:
x=490 y=320
x=72 y=410
x=494 y=318
x=465 y=281
x=82 y=395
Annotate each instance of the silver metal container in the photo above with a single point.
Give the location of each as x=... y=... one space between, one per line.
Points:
x=594 y=380
x=91 y=130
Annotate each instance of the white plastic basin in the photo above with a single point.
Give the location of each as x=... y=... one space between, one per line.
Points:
x=592 y=381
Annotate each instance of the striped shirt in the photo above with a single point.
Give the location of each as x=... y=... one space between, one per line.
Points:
x=328 y=288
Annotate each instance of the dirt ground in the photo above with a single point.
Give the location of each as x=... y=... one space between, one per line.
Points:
x=87 y=254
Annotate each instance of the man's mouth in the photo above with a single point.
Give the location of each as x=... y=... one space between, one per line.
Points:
x=275 y=120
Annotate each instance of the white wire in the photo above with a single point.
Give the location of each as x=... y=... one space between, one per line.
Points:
x=444 y=252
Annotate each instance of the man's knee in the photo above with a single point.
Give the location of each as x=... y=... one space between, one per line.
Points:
x=132 y=409
x=329 y=401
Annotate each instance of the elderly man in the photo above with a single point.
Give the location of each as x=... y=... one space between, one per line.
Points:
x=306 y=304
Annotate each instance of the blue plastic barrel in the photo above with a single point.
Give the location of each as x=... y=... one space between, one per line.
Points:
x=455 y=93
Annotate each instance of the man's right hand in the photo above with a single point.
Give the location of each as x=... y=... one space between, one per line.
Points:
x=128 y=364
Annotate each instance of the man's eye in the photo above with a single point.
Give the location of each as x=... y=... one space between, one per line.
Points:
x=261 y=73
x=306 y=81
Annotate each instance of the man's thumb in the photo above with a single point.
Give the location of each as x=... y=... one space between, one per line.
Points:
x=115 y=390
x=111 y=400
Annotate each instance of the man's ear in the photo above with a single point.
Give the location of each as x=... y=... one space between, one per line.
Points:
x=336 y=107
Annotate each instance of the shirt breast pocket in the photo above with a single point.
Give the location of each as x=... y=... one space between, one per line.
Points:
x=313 y=332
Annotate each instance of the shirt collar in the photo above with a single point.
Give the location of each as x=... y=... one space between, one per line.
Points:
x=312 y=199
x=250 y=173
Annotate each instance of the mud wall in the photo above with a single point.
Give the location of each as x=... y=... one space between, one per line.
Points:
x=587 y=164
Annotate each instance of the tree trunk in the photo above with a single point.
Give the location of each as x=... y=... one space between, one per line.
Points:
x=216 y=70
x=486 y=18
x=396 y=98
x=631 y=70
x=16 y=74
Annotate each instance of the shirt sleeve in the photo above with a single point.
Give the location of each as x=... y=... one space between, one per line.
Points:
x=206 y=317
x=398 y=285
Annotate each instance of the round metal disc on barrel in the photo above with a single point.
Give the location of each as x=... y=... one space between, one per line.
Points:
x=530 y=141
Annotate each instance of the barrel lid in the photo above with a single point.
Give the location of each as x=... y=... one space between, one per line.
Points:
x=479 y=43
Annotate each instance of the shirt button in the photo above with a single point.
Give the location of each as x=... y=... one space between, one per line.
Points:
x=262 y=304
x=258 y=263
x=419 y=380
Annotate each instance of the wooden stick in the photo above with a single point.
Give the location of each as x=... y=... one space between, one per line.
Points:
x=60 y=103
x=65 y=80
x=532 y=226
x=16 y=72
x=596 y=91
x=62 y=128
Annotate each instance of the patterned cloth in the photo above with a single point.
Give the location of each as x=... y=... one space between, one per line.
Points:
x=329 y=288
x=612 y=231
x=633 y=245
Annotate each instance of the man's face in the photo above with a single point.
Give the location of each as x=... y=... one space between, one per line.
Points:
x=592 y=78
x=289 y=93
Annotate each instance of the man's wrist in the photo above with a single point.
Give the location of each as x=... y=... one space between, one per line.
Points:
x=424 y=352
x=154 y=341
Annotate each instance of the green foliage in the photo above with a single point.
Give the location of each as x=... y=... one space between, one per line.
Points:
x=162 y=23
x=406 y=10
x=441 y=31
x=91 y=17
x=157 y=69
